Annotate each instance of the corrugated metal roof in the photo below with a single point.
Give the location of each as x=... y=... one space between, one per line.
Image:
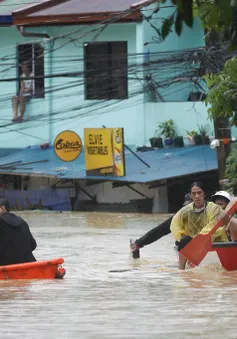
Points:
x=78 y=11
x=8 y=6
x=86 y=6
x=165 y=164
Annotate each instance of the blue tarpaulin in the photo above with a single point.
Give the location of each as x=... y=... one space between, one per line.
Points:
x=164 y=164
x=47 y=199
x=6 y=20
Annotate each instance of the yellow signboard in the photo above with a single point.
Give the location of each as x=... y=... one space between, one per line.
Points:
x=118 y=152
x=104 y=151
x=67 y=146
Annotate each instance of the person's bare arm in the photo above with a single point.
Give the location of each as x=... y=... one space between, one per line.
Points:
x=22 y=88
x=231 y=224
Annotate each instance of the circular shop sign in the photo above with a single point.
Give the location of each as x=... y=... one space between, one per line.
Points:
x=67 y=146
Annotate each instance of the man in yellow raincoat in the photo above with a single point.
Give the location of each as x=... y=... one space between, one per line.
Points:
x=199 y=217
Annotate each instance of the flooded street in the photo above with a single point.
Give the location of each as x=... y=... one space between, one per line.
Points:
x=145 y=301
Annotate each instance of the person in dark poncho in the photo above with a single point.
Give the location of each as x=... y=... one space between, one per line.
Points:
x=16 y=240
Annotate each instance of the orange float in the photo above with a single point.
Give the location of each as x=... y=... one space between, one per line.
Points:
x=48 y=269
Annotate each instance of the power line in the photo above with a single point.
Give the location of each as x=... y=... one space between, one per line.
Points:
x=116 y=17
x=165 y=68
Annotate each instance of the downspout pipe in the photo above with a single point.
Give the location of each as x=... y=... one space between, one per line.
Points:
x=21 y=29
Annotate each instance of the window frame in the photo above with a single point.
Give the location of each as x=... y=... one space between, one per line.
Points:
x=110 y=78
x=40 y=94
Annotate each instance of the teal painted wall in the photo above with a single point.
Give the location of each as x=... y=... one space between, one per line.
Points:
x=234 y=131
x=27 y=133
x=162 y=50
x=186 y=115
x=64 y=105
x=69 y=105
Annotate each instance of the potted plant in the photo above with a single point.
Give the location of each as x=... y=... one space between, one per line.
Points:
x=167 y=129
x=179 y=141
x=190 y=136
x=156 y=142
x=203 y=133
x=198 y=140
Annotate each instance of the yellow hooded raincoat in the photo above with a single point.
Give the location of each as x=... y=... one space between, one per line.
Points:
x=188 y=222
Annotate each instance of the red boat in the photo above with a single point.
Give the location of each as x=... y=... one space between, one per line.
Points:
x=227 y=253
x=48 y=269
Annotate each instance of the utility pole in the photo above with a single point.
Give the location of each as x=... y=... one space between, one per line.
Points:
x=222 y=131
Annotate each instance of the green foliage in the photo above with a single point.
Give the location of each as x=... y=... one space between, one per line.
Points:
x=207 y=13
x=186 y=9
x=215 y=15
x=191 y=133
x=218 y=16
x=202 y=130
x=167 y=128
x=222 y=94
x=182 y=14
x=179 y=24
x=166 y=27
x=231 y=171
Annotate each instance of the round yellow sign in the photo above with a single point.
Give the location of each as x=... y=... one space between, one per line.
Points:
x=67 y=146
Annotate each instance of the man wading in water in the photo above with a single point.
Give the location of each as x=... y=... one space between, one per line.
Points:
x=221 y=198
x=155 y=233
x=196 y=218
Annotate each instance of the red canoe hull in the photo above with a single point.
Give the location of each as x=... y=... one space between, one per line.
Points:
x=48 y=269
x=227 y=253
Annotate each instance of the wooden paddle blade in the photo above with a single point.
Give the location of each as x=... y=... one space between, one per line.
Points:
x=197 y=248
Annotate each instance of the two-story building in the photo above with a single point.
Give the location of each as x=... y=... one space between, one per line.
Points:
x=102 y=63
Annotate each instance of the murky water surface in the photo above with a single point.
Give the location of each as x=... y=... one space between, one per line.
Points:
x=149 y=299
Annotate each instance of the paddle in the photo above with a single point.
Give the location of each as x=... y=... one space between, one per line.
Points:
x=198 y=247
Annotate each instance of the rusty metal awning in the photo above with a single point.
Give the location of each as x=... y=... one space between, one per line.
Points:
x=51 y=12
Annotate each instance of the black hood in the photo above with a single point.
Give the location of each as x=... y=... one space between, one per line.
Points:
x=11 y=219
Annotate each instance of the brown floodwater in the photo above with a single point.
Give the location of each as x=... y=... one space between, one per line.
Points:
x=148 y=298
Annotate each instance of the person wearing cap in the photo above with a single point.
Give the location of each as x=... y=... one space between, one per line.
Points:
x=222 y=198
x=157 y=232
x=16 y=240
x=199 y=217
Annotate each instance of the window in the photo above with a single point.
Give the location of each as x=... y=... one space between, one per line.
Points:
x=33 y=55
x=106 y=70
